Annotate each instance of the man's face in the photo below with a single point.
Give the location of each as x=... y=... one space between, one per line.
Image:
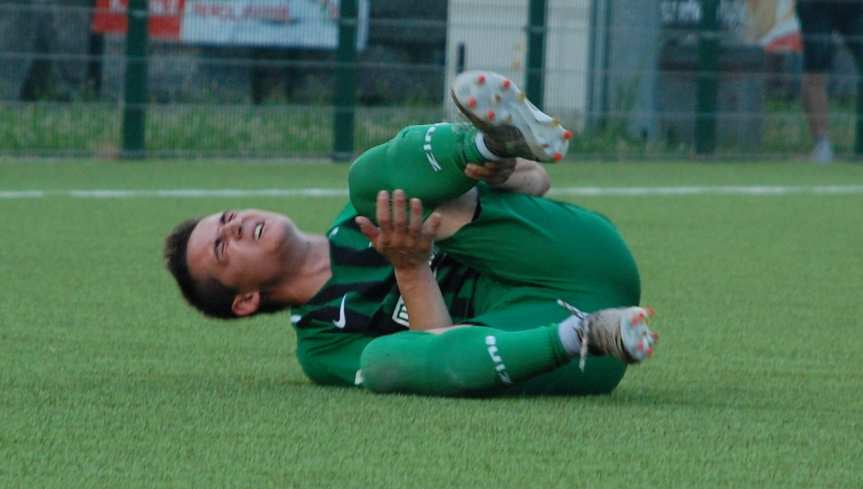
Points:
x=245 y=250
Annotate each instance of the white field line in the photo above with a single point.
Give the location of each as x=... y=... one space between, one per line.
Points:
x=753 y=190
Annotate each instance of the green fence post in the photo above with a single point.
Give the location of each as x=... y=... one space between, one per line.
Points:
x=707 y=85
x=858 y=138
x=135 y=97
x=95 y=54
x=344 y=98
x=537 y=17
x=605 y=106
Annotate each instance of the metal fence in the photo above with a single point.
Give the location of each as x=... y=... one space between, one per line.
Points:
x=637 y=79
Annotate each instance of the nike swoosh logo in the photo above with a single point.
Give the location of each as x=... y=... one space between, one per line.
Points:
x=342 y=322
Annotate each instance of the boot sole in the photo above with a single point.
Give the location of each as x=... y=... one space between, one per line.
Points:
x=498 y=108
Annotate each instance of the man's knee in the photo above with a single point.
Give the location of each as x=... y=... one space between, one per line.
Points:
x=391 y=363
x=422 y=363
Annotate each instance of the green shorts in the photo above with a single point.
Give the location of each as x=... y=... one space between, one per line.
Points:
x=533 y=249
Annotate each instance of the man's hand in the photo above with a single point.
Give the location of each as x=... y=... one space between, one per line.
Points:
x=515 y=175
x=401 y=235
x=407 y=241
x=494 y=173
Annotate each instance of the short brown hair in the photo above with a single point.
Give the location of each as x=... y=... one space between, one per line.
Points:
x=209 y=297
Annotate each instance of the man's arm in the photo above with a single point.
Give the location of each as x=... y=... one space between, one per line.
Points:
x=406 y=241
x=330 y=358
x=515 y=175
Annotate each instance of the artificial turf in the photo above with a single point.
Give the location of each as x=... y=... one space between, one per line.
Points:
x=108 y=380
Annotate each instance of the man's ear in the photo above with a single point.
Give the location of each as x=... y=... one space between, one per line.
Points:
x=247 y=303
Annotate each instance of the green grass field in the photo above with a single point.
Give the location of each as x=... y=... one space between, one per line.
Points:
x=109 y=381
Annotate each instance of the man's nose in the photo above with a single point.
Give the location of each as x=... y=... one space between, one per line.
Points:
x=232 y=229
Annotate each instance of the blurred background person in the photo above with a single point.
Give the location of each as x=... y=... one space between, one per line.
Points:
x=818 y=20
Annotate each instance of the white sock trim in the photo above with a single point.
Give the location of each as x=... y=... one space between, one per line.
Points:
x=483 y=149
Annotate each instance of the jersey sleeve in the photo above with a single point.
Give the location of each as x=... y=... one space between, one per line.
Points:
x=330 y=357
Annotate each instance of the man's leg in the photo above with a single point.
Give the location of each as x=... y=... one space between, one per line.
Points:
x=428 y=161
x=530 y=245
x=814 y=92
x=817 y=28
x=601 y=374
x=459 y=361
x=470 y=360
x=852 y=29
x=533 y=251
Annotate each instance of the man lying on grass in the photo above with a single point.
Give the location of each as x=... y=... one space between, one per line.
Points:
x=491 y=289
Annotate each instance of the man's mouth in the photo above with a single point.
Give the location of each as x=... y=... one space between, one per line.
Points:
x=259 y=230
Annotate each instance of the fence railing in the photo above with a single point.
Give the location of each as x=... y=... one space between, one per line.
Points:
x=644 y=79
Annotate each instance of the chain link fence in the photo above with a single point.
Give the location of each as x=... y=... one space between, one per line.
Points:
x=638 y=79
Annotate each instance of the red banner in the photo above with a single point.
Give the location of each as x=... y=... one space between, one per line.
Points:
x=110 y=17
x=288 y=23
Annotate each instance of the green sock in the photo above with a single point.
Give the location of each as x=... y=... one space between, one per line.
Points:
x=462 y=361
x=426 y=161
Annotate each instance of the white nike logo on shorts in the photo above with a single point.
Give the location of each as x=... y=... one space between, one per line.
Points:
x=341 y=322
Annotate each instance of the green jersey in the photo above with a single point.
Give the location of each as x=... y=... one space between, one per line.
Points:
x=362 y=296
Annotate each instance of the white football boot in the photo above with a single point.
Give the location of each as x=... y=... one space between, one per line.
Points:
x=618 y=332
x=512 y=126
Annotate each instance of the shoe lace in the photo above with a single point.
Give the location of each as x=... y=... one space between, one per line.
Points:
x=585 y=331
